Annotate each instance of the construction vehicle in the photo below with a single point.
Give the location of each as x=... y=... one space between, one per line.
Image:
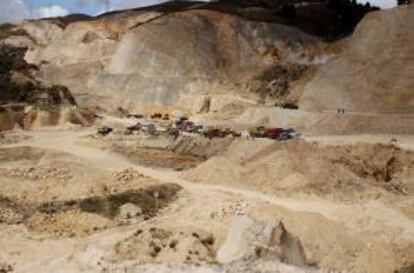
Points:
x=149 y=128
x=236 y=134
x=212 y=133
x=105 y=130
x=276 y=133
x=156 y=116
x=137 y=116
x=273 y=133
x=259 y=131
x=134 y=128
x=173 y=131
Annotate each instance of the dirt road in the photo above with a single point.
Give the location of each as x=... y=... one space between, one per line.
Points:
x=372 y=216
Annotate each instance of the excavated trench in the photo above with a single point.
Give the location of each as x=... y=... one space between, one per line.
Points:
x=48 y=216
x=159 y=158
x=150 y=200
x=161 y=151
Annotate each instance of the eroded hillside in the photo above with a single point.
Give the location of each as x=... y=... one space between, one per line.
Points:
x=375 y=71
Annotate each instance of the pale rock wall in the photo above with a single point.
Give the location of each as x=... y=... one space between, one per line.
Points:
x=139 y=59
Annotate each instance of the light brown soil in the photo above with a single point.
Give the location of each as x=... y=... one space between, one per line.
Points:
x=74 y=220
x=297 y=166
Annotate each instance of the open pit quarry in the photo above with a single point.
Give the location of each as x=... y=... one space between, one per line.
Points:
x=214 y=137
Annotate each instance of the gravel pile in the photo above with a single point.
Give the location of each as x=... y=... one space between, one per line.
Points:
x=38 y=173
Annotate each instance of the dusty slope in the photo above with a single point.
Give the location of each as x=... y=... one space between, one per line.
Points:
x=375 y=73
x=342 y=172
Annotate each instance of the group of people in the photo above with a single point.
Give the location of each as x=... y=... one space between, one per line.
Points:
x=341 y=111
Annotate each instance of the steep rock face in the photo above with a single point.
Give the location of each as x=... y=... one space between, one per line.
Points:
x=186 y=53
x=376 y=71
x=147 y=58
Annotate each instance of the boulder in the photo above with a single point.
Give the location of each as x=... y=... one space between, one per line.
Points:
x=129 y=210
x=203 y=105
x=249 y=239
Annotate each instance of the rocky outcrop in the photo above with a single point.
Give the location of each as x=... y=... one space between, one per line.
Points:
x=163 y=58
x=27 y=102
x=249 y=239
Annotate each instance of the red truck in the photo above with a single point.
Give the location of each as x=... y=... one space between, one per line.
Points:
x=275 y=133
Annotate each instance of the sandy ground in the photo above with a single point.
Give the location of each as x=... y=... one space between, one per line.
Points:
x=365 y=231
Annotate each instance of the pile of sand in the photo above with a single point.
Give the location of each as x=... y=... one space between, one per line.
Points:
x=297 y=166
x=199 y=146
x=126 y=175
x=217 y=170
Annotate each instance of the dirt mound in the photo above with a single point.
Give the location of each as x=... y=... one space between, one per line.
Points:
x=305 y=167
x=387 y=166
x=126 y=175
x=200 y=147
x=155 y=245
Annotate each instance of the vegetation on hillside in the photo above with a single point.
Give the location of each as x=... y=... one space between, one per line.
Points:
x=17 y=84
x=275 y=81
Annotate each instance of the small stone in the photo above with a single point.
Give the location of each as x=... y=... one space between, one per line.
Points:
x=129 y=210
